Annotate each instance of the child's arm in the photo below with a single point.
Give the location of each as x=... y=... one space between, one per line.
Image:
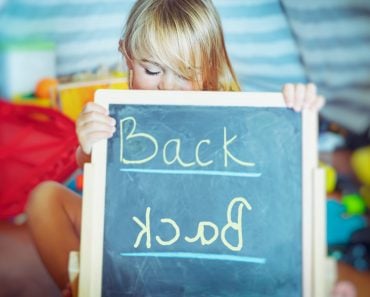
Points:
x=300 y=96
x=82 y=157
x=92 y=125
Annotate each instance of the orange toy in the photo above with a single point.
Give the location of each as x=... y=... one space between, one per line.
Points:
x=45 y=87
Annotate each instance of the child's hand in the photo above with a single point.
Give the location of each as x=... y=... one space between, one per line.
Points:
x=93 y=125
x=300 y=96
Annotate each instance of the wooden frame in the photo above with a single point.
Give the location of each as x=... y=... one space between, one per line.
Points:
x=90 y=281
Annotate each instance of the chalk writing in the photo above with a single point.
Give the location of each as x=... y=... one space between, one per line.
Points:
x=170 y=145
x=237 y=226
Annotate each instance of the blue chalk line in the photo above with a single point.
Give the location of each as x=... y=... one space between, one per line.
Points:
x=193 y=172
x=198 y=256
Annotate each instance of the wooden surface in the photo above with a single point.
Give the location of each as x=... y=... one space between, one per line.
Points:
x=361 y=280
x=22 y=273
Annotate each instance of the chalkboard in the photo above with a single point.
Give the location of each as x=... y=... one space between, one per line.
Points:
x=200 y=194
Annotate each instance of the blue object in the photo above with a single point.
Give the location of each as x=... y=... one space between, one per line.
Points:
x=71 y=183
x=357 y=253
x=340 y=226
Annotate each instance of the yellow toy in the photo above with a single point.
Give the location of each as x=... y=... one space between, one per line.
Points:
x=330 y=176
x=72 y=97
x=360 y=162
x=365 y=193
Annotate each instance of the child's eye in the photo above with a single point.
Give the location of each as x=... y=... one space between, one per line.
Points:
x=147 y=71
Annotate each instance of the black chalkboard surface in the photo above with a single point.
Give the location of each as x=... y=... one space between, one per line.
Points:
x=202 y=198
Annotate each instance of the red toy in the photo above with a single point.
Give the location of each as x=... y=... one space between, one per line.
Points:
x=36 y=144
x=79 y=182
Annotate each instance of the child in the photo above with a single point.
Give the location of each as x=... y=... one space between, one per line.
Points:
x=168 y=45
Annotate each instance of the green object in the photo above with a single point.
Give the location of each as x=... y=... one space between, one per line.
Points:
x=30 y=96
x=26 y=45
x=354 y=204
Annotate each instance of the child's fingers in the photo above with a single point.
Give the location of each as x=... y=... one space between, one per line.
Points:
x=317 y=104
x=90 y=121
x=310 y=95
x=288 y=94
x=90 y=139
x=92 y=131
x=320 y=102
x=97 y=136
x=92 y=126
x=91 y=106
x=94 y=116
x=299 y=96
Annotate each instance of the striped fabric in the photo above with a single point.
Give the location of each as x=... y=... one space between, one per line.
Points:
x=86 y=32
x=330 y=45
x=333 y=37
x=260 y=44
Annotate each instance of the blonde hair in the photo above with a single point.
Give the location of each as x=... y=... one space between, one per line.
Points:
x=184 y=35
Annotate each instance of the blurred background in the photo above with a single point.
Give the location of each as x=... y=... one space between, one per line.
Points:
x=55 y=53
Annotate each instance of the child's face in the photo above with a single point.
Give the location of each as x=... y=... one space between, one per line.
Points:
x=149 y=75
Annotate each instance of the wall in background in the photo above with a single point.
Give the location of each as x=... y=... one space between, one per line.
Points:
x=270 y=42
x=86 y=34
x=333 y=37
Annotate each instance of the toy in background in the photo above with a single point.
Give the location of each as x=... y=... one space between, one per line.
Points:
x=330 y=177
x=75 y=182
x=46 y=88
x=344 y=289
x=360 y=162
x=72 y=97
x=70 y=93
x=27 y=70
x=357 y=252
x=340 y=227
x=37 y=133
x=43 y=94
x=348 y=231
x=36 y=144
x=23 y=64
